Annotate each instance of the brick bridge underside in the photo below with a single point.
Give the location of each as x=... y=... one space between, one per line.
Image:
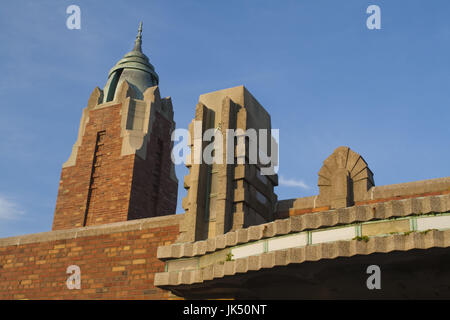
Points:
x=416 y=274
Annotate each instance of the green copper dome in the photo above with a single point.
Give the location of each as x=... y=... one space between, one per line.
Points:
x=135 y=68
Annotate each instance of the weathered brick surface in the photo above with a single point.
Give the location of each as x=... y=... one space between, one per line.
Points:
x=113 y=179
x=105 y=187
x=118 y=265
x=153 y=192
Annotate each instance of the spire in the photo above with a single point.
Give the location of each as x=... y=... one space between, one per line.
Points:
x=135 y=68
x=138 y=41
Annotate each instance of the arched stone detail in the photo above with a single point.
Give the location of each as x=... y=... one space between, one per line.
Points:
x=344 y=179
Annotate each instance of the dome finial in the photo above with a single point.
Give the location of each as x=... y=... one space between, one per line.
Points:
x=135 y=68
x=138 y=41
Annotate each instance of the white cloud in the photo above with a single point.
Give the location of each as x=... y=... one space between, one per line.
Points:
x=9 y=210
x=292 y=183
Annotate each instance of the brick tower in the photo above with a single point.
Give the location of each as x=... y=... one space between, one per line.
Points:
x=120 y=167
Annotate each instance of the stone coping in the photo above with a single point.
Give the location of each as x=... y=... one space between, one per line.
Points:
x=410 y=188
x=349 y=215
x=327 y=250
x=138 y=224
x=360 y=230
x=374 y=194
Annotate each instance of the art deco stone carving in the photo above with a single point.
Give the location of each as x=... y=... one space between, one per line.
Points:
x=344 y=179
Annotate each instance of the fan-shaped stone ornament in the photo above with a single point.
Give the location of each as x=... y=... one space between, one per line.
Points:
x=344 y=179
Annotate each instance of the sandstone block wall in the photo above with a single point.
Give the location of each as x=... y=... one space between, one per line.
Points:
x=228 y=196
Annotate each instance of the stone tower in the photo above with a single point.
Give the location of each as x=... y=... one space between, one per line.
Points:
x=234 y=194
x=120 y=167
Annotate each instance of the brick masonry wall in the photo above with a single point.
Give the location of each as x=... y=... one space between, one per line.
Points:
x=115 y=264
x=283 y=214
x=109 y=200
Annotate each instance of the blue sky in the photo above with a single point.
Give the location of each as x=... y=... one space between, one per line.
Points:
x=323 y=76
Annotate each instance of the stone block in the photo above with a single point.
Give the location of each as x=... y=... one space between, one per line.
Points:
x=385 y=227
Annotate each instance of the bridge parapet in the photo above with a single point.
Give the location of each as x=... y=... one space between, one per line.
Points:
x=397 y=225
